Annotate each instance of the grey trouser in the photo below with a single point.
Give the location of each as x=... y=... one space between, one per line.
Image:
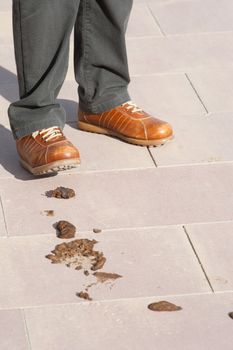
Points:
x=42 y=30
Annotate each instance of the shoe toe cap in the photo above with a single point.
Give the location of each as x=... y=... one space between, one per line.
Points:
x=63 y=151
x=159 y=130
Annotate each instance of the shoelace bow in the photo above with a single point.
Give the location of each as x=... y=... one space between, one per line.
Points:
x=48 y=134
x=132 y=107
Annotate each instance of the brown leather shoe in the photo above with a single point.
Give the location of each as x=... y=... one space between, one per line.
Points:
x=129 y=123
x=47 y=151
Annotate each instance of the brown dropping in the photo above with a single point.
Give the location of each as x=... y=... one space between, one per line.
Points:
x=97 y=230
x=61 y=192
x=230 y=315
x=84 y=295
x=99 y=264
x=76 y=268
x=53 y=258
x=65 y=229
x=164 y=306
x=106 y=276
x=49 y=212
x=86 y=272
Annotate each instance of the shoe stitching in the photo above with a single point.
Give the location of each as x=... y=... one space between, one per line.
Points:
x=46 y=155
x=27 y=142
x=140 y=118
x=124 y=120
x=104 y=119
x=145 y=131
x=118 y=121
x=127 y=123
x=111 y=118
x=101 y=117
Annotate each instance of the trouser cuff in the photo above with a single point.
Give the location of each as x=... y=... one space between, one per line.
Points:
x=106 y=105
x=22 y=123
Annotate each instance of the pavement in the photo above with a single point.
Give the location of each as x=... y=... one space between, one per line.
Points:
x=166 y=213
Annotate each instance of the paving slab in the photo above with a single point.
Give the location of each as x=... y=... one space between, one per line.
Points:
x=6 y=34
x=213 y=244
x=2 y=221
x=142 y=23
x=5 y=5
x=198 y=140
x=166 y=95
x=179 y=53
x=9 y=92
x=215 y=87
x=7 y=57
x=126 y=198
x=12 y=330
x=128 y=324
x=68 y=97
x=179 y=17
x=151 y=262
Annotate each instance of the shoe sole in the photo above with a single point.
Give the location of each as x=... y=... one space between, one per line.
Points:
x=53 y=167
x=98 y=130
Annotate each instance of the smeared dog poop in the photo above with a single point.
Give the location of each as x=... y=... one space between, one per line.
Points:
x=78 y=254
x=106 y=276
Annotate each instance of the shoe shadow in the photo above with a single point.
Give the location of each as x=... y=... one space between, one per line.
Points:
x=9 y=159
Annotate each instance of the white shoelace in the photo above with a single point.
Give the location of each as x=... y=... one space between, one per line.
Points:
x=132 y=106
x=48 y=134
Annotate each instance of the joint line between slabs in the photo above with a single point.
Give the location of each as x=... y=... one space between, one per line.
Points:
x=26 y=330
x=4 y=217
x=198 y=259
x=196 y=92
x=156 y=21
x=153 y=160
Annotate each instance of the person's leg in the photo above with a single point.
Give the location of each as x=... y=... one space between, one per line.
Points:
x=102 y=73
x=41 y=35
x=100 y=57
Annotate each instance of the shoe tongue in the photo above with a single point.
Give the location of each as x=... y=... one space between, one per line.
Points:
x=132 y=107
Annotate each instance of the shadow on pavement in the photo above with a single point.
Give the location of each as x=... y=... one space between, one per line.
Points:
x=9 y=159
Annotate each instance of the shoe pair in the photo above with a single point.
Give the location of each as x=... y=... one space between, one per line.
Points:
x=48 y=150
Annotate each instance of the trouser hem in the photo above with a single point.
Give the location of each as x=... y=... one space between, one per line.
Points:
x=104 y=106
x=24 y=121
x=29 y=129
